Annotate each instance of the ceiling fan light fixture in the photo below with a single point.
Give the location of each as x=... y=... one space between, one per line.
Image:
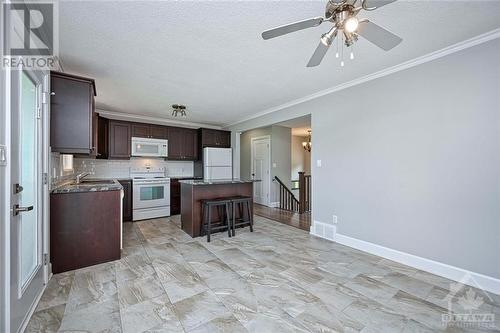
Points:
x=351 y=24
x=328 y=38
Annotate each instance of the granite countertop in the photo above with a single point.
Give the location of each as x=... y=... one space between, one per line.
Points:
x=185 y=177
x=89 y=185
x=196 y=182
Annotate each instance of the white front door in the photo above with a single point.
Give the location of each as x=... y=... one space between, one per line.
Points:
x=261 y=158
x=27 y=271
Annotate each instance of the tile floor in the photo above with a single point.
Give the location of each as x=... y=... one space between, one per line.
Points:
x=276 y=279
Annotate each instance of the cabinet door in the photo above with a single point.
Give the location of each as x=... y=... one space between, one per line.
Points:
x=209 y=138
x=190 y=146
x=102 y=137
x=141 y=130
x=159 y=132
x=175 y=197
x=127 y=199
x=224 y=139
x=71 y=115
x=119 y=139
x=175 y=143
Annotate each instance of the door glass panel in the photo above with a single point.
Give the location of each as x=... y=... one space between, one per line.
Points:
x=147 y=148
x=28 y=171
x=152 y=193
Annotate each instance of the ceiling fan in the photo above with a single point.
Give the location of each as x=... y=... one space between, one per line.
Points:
x=342 y=14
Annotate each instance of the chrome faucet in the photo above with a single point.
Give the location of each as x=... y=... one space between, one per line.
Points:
x=80 y=176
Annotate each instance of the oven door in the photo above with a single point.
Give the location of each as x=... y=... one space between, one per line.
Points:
x=151 y=194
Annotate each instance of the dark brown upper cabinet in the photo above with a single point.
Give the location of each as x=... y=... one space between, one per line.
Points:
x=119 y=139
x=182 y=144
x=73 y=122
x=149 y=131
x=214 y=138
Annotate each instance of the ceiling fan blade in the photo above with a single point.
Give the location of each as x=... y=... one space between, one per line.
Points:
x=377 y=35
x=318 y=55
x=375 y=4
x=292 y=27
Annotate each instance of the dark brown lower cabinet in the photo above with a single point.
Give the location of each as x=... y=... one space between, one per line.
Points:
x=127 y=199
x=175 y=197
x=84 y=229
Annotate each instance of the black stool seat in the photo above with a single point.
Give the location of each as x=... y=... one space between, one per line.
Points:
x=222 y=205
x=244 y=204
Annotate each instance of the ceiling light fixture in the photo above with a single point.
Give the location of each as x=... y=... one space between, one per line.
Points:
x=307 y=145
x=351 y=24
x=328 y=38
x=179 y=110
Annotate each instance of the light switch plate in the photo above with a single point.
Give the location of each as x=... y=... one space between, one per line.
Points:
x=318 y=163
x=274 y=165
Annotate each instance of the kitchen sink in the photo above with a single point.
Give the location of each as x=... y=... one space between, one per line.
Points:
x=96 y=181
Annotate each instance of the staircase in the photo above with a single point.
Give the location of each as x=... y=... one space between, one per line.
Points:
x=287 y=199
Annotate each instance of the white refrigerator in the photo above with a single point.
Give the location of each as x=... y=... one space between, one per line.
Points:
x=217 y=163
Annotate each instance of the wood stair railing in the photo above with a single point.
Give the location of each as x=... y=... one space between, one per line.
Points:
x=287 y=199
x=304 y=192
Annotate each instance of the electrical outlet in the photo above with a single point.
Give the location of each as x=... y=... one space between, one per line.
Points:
x=318 y=163
x=334 y=219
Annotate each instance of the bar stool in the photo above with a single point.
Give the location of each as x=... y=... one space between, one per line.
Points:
x=244 y=207
x=222 y=205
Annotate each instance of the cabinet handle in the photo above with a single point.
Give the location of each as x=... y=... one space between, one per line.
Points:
x=52 y=93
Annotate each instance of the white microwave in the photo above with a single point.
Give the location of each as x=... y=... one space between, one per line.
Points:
x=149 y=147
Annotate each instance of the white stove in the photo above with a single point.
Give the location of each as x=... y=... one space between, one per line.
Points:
x=151 y=197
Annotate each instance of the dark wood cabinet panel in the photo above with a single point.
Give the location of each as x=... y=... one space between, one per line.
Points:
x=175 y=143
x=175 y=197
x=159 y=132
x=190 y=144
x=84 y=229
x=127 y=199
x=149 y=131
x=72 y=114
x=182 y=144
x=141 y=130
x=119 y=139
x=102 y=137
x=214 y=138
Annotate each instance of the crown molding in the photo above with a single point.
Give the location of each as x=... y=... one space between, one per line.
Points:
x=153 y=120
x=480 y=39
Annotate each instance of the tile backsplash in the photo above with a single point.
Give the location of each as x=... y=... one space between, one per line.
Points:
x=121 y=168
x=58 y=175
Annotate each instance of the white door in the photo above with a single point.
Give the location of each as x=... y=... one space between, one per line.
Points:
x=27 y=271
x=261 y=157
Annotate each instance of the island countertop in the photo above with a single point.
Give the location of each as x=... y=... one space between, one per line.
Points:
x=197 y=182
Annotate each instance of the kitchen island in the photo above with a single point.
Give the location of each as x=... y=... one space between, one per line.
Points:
x=193 y=191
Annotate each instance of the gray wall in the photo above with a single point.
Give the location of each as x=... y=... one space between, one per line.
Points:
x=246 y=149
x=281 y=138
x=411 y=161
x=280 y=154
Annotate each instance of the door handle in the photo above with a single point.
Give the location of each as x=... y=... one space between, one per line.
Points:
x=16 y=209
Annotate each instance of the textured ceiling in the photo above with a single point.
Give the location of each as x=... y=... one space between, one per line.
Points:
x=147 y=55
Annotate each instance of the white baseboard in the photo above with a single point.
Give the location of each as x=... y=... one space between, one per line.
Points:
x=478 y=280
x=329 y=232
x=274 y=204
